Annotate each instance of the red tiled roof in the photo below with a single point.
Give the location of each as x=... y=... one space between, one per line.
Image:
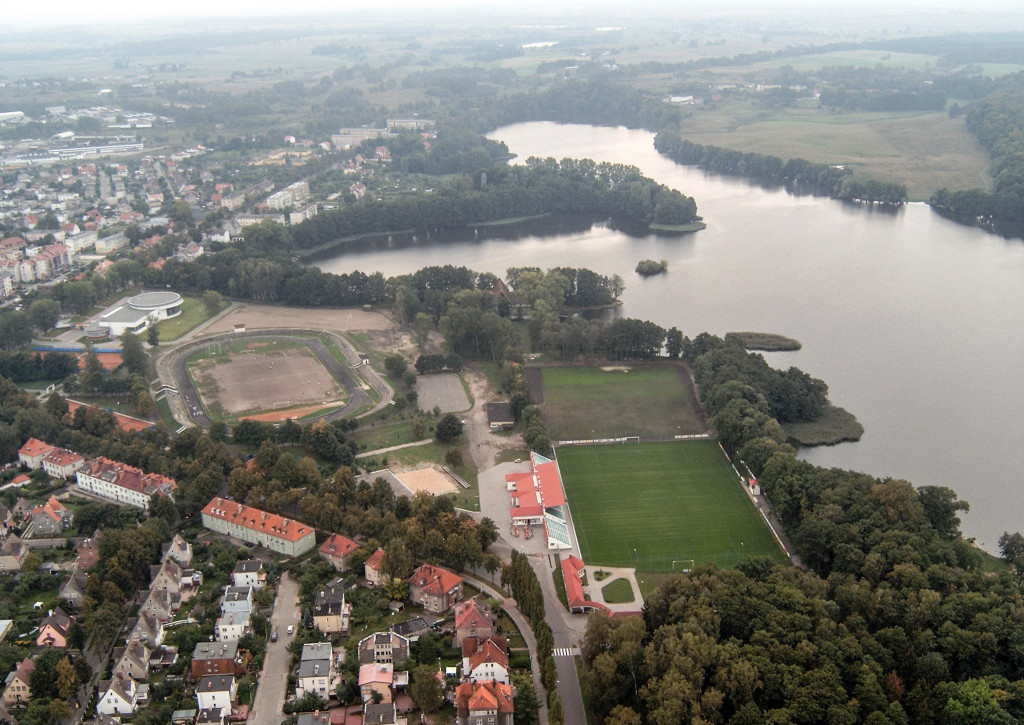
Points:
x=62 y=457
x=434 y=580
x=338 y=545
x=252 y=518
x=130 y=477
x=376 y=559
x=477 y=696
x=471 y=614
x=492 y=649
x=571 y=568
x=52 y=508
x=33 y=447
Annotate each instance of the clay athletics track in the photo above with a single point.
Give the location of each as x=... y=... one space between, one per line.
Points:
x=339 y=373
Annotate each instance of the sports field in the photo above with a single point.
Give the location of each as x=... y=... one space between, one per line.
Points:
x=657 y=506
x=619 y=400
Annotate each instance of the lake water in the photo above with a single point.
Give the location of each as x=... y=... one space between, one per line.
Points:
x=915 y=322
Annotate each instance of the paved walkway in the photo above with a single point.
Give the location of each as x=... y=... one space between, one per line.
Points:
x=595 y=588
x=268 y=708
x=423 y=442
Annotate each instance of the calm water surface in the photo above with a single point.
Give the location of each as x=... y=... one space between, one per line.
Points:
x=913 y=321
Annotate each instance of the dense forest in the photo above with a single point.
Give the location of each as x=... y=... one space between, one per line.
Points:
x=541 y=186
x=796 y=175
x=998 y=123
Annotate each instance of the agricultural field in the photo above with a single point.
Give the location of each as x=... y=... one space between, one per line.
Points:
x=619 y=400
x=661 y=506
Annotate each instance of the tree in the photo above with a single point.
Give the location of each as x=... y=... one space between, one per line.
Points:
x=56 y=405
x=211 y=301
x=218 y=432
x=1011 y=546
x=674 y=343
x=396 y=365
x=421 y=326
x=44 y=313
x=153 y=335
x=67 y=678
x=426 y=689
x=397 y=563
x=133 y=353
x=453 y=457
x=448 y=428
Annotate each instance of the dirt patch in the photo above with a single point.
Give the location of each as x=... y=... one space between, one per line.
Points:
x=443 y=391
x=615 y=369
x=686 y=375
x=271 y=316
x=535 y=381
x=265 y=381
x=429 y=480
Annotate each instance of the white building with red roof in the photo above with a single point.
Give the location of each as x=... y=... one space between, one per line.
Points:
x=337 y=550
x=435 y=589
x=50 y=518
x=373 y=568
x=122 y=483
x=485 y=660
x=538 y=499
x=62 y=463
x=33 y=452
x=484 y=703
x=572 y=576
x=285 y=536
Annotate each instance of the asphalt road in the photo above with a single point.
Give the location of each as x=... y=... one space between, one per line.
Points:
x=268 y=709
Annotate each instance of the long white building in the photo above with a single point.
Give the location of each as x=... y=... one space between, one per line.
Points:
x=285 y=536
x=122 y=483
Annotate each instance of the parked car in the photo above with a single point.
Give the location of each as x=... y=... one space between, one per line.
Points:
x=273 y=636
x=290 y=629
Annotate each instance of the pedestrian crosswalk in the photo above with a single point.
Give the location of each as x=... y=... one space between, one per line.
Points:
x=565 y=652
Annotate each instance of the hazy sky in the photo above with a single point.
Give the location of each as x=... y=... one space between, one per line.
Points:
x=61 y=12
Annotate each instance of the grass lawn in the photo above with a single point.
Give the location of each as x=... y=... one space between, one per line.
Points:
x=627 y=400
x=384 y=436
x=618 y=591
x=657 y=506
x=193 y=314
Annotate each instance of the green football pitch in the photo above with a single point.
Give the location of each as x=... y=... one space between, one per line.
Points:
x=661 y=506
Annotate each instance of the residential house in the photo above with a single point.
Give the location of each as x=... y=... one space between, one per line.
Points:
x=213 y=716
x=251 y=525
x=215 y=691
x=484 y=703
x=89 y=552
x=62 y=463
x=384 y=713
x=179 y=550
x=412 y=628
x=316 y=670
x=236 y=599
x=122 y=483
x=50 y=519
x=33 y=452
x=6 y=520
x=373 y=568
x=18 y=690
x=216 y=658
x=12 y=554
x=435 y=589
x=331 y=612
x=133 y=660
x=166 y=576
x=337 y=551
x=314 y=718
x=473 y=619
x=118 y=695
x=249 y=573
x=22 y=507
x=499 y=416
x=376 y=678
x=485 y=660
x=73 y=591
x=53 y=632
x=161 y=604
x=383 y=648
x=147 y=629
x=232 y=626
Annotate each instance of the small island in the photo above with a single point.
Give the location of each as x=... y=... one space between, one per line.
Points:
x=649 y=268
x=762 y=341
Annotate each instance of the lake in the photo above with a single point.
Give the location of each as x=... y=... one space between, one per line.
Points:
x=914 y=321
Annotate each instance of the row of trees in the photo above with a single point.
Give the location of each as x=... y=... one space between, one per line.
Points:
x=798 y=176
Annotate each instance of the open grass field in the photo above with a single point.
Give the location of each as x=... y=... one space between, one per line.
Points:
x=193 y=314
x=618 y=400
x=262 y=376
x=657 y=506
x=925 y=150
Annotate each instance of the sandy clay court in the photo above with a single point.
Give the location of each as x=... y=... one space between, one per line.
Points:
x=262 y=317
x=429 y=480
x=265 y=381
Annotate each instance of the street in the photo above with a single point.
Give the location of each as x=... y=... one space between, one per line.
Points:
x=273 y=678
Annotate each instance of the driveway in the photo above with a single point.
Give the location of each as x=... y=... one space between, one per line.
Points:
x=268 y=709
